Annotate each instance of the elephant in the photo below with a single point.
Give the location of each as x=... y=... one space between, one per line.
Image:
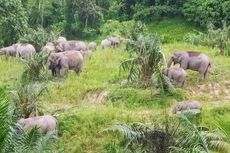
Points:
x=45 y=124
x=63 y=61
x=192 y=60
x=115 y=41
x=24 y=50
x=86 y=53
x=8 y=51
x=105 y=43
x=61 y=39
x=187 y=105
x=49 y=47
x=71 y=45
x=175 y=74
x=92 y=46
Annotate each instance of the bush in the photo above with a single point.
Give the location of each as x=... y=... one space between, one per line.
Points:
x=26 y=99
x=156 y=13
x=215 y=38
x=146 y=59
x=38 y=37
x=13 y=21
x=34 y=66
x=115 y=27
x=204 y=13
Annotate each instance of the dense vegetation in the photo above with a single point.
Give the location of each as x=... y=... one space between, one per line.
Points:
x=121 y=102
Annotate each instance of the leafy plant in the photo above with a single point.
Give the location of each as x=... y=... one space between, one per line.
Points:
x=11 y=140
x=26 y=99
x=34 y=66
x=215 y=38
x=147 y=59
x=171 y=135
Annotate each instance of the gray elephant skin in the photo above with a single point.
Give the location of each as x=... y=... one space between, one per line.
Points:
x=71 y=45
x=176 y=75
x=60 y=63
x=8 y=51
x=25 y=50
x=187 y=105
x=49 y=47
x=115 y=41
x=105 y=43
x=45 y=124
x=19 y=50
x=192 y=60
x=61 y=39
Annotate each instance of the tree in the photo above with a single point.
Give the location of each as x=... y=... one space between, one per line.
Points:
x=13 y=21
x=147 y=56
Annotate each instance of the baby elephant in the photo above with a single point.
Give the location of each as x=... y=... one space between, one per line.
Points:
x=186 y=105
x=45 y=123
x=177 y=75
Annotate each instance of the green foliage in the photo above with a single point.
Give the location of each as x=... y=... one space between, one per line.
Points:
x=14 y=141
x=38 y=37
x=34 y=66
x=204 y=13
x=174 y=29
x=26 y=99
x=156 y=13
x=13 y=21
x=170 y=135
x=215 y=38
x=82 y=15
x=115 y=27
x=147 y=59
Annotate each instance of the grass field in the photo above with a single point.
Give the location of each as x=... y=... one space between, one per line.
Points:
x=83 y=111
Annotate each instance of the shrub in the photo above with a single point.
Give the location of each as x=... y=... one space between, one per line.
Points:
x=26 y=99
x=14 y=141
x=38 y=37
x=115 y=27
x=147 y=59
x=156 y=13
x=170 y=134
x=34 y=66
x=204 y=13
x=215 y=38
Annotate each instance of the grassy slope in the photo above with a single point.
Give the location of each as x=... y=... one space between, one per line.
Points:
x=82 y=120
x=172 y=29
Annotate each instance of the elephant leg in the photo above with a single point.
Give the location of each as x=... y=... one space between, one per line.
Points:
x=182 y=82
x=63 y=71
x=78 y=70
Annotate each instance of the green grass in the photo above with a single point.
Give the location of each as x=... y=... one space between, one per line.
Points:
x=81 y=121
x=171 y=29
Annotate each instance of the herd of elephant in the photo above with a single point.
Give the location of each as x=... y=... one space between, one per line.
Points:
x=63 y=54
x=69 y=54
x=192 y=60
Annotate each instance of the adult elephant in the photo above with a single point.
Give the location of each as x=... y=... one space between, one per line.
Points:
x=8 y=51
x=115 y=41
x=60 y=63
x=71 y=45
x=24 y=50
x=105 y=43
x=192 y=60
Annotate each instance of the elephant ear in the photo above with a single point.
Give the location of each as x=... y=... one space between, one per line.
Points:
x=183 y=60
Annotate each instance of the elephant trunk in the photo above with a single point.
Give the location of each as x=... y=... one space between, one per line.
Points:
x=170 y=62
